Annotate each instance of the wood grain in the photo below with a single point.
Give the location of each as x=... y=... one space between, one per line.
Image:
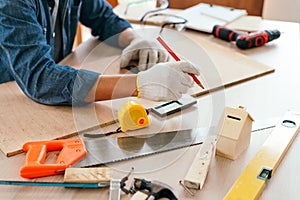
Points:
x=252 y=7
x=24 y=120
x=87 y=175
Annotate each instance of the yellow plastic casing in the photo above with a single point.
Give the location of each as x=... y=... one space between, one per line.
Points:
x=132 y=116
x=252 y=181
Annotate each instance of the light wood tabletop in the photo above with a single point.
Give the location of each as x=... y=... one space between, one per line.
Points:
x=266 y=98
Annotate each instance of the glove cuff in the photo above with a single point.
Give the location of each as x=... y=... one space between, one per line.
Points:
x=138 y=86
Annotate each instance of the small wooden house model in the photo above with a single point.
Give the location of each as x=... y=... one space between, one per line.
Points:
x=234 y=132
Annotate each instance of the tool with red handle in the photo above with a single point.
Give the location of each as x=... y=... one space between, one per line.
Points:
x=256 y=39
x=225 y=33
x=245 y=40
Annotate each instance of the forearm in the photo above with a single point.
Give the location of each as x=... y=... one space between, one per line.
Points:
x=112 y=87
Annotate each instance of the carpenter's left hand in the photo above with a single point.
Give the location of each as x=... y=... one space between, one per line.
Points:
x=147 y=52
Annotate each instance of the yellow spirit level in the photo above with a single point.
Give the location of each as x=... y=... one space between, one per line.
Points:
x=251 y=182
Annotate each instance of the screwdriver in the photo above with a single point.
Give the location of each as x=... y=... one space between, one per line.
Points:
x=225 y=33
x=256 y=39
x=244 y=40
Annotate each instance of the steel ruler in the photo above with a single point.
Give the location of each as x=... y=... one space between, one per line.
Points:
x=55 y=184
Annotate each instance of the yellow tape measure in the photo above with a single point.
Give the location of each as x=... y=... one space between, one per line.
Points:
x=132 y=115
x=251 y=182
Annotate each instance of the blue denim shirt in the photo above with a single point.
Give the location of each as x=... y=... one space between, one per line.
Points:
x=26 y=47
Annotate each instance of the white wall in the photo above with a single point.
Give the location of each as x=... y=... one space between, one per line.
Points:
x=284 y=10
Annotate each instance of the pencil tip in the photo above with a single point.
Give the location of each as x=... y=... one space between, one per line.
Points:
x=201 y=86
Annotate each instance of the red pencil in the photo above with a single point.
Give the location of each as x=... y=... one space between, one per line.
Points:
x=162 y=42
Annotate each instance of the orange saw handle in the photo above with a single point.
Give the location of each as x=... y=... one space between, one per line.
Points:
x=71 y=150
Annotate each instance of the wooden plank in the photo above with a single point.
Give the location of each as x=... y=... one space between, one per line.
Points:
x=252 y=7
x=87 y=175
x=220 y=67
x=24 y=120
x=199 y=168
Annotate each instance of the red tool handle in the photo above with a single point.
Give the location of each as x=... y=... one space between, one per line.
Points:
x=256 y=39
x=71 y=150
x=225 y=33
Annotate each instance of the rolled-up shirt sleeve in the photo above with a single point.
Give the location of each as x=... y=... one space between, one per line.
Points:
x=99 y=16
x=27 y=58
x=83 y=83
x=50 y=83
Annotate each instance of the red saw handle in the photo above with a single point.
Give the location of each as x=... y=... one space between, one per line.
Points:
x=71 y=151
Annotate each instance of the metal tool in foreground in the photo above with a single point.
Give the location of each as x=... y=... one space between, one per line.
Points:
x=144 y=189
x=73 y=178
x=118 y=185
x=54 y=184
x=109 y=150
x=102 y=150
x=141 y=189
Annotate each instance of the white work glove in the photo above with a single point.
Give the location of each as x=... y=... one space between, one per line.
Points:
x=166 y=81
x=147 y=52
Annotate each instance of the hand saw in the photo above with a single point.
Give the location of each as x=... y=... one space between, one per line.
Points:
x=104 y=150
x=101 y=151
x=109 y=150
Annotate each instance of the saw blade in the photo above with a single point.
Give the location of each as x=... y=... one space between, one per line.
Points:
x=109 y=150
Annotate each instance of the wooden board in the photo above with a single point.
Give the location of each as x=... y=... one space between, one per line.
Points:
x=87 y=175
x=225 y=67
x=252 y=7
x=23 y=120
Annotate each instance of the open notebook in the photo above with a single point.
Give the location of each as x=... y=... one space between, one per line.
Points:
x=203 y=16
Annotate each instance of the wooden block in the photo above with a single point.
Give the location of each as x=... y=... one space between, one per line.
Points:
x=197 y=173
x=234 y=132
x=139 y=196
x=87 y=175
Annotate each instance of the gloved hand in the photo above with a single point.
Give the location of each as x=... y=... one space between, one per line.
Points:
x=166 y=81
x=147 y=52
